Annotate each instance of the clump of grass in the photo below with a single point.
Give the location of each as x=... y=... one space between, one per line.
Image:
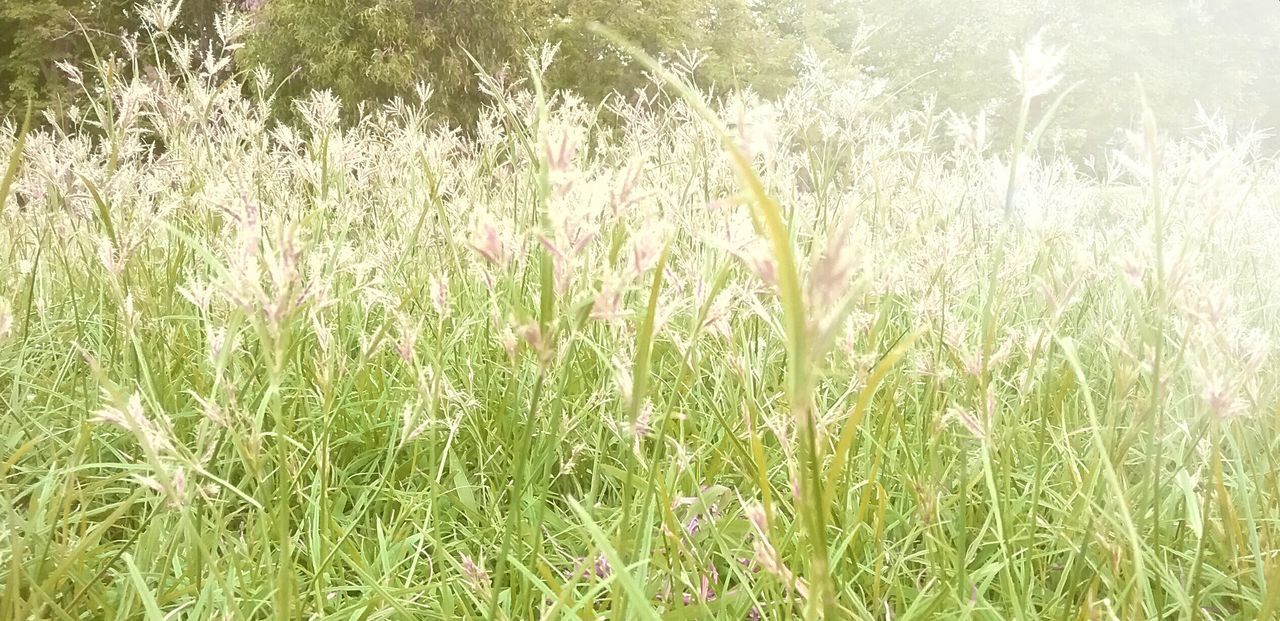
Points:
x=731 y=359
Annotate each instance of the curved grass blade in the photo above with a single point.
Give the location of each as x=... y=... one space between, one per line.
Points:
x=15 y=157
x=768 y=216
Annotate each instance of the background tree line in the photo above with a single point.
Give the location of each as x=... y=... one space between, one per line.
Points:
x=1224 y=55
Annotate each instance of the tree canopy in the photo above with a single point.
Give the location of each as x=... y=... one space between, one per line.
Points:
x=1219 y=55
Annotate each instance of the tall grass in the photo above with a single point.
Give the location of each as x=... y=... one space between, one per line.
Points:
x=726 y=359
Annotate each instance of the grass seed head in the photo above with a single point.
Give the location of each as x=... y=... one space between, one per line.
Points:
x=1037 y=67
x=475 y=574
x=6 y=320
x=490 y=241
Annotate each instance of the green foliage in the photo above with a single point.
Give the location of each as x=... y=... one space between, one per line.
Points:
x=1219 y=54
x=370 y=51
x=742 y=44
x=723 y=33
x=380 y=371
x=35 y=34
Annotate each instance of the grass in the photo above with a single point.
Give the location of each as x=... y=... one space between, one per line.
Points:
x=728 y=359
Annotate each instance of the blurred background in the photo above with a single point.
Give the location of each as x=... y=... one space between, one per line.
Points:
x=1193 y=57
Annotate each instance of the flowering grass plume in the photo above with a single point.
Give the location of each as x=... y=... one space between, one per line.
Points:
x=722 y=358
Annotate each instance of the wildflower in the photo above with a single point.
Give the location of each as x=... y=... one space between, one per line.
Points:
x=767 y=557
x=130 y=417
x=755 y=128
x=569 y=463
x=622 y=378
x=640 y=427
x=407 y=343
x=212 y=411
x=1150 y=136
x=608 y=302
x=199 y=294
x=176 y=494
x=439 y=287
x=1221 y=400
x=547 y=55
x=756 y=515
x=689 y=59
x=970 y=136
x=666 y=309
x=218 y=345
x=759 y=259
x=413 y=424
x=156 y=440
x=320 y=111
x=161 y=14
x=475 y=574
x=424 y=91
x=111 y=261
x=1212 y=306
x=718 y=314
x=322 y=333
x=1134 y=268
x=693 y=525
x=532 y=335
x=489 y=242
x=707 y=583
x=623 y=194
x=600 y=568
x=1036 y=69
x=927 y=365
x=73 y=72
x=562 y=265
x=1219 y=393
x=831 y=272
x=643 y=251
x=283 y=266
x=559 y=154
x=130 y=312
x=1058 y=298
x=968 y=420
x=575 y=220
x=560 y=151
x=506 y=336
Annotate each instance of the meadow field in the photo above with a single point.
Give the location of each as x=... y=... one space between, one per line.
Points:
x=689 y=355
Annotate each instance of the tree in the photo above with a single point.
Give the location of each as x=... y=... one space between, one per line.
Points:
x=36 y=34
x=1218 y=54
x=375 y=50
